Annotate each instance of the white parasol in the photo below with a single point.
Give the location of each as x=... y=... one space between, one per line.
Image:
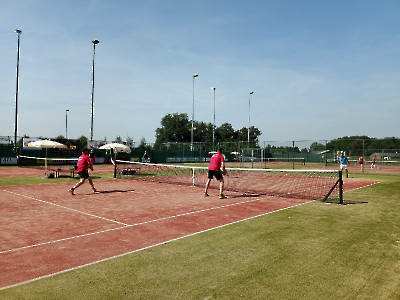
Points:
x=116 y=146
x=46 y=144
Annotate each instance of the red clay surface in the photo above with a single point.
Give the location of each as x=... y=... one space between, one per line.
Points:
x=45 y=230
x=353 y=167
x=40 y=171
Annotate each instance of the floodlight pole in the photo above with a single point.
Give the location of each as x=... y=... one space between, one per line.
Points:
x=191 y=137
x=213 y=88
x=16 y=94
x=95 y=42
x=248 y=128
x=66 y=123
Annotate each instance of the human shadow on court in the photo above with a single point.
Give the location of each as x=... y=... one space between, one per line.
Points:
x=111 y=192
x=345 y=202
x=245 y=196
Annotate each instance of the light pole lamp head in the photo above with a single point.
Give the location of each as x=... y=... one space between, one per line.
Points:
x=195 y=75
x=213 y=88
x=251 y=93
x=18 y=31
x=67 y=110
x=95 y=42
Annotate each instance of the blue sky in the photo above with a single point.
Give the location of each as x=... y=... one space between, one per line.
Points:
x=319 y=69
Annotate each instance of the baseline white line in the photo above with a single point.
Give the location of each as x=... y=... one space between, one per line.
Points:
x=151 y=246
x=162 y=243
x=132 y=225
x=123 y=227
x=65 y=207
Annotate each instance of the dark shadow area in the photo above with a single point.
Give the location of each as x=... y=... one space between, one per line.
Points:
x=111 y=191
x=344 y=202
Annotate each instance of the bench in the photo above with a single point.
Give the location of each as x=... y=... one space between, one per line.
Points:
x=69 y=172
x=130 y=171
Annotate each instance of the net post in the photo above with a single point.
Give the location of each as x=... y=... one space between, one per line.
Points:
x=341 y=187
x=193 y=183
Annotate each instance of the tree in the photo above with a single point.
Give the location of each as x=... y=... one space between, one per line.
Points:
x=243 y=134
x=142 y=144
x=83 y=142
x=129 y=141
x=225 y=133
x=202 y=131
x=174 y=128
x=315 y=146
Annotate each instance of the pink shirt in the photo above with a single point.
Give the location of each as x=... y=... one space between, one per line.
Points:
x=83 y=162
x=216 y=162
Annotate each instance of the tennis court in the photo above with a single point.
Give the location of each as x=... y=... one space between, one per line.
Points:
x=46 y=231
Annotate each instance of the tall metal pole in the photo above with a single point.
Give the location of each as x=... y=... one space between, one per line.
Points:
x=213 y=88
x=191 y=138
x=16 y=94
x=66 y=123
x=248 y=128
x=363 y=155
x=95 y=42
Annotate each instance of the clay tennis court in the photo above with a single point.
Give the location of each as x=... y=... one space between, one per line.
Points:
x=45 y=230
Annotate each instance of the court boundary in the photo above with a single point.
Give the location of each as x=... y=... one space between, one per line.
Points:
x=146 y=222
x=157 y=244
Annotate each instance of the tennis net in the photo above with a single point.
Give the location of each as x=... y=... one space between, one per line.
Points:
x=53 y=167
x=302 y=184
x=31 y=161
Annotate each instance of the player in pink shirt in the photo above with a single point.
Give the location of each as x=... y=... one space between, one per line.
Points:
x=84 y=163
x=217 y=163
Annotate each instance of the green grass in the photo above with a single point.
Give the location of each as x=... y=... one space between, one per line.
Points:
x=313 y=251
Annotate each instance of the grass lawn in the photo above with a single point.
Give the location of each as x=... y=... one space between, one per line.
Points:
x=313 y=251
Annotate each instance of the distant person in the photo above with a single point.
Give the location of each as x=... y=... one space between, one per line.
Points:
x=361 y=161
x=145 y=157
x=216 y=169
x=343 y=163
x=373 y=164
x=92 y=156
x=84 y=164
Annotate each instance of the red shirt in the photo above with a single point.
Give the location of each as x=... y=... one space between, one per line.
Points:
x=83 y=162
x=216 y=162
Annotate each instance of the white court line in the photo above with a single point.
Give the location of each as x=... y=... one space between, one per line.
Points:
x=154 y=245
x=164 y=242
x=124 y=224
x=65 y=207
x=122 y=227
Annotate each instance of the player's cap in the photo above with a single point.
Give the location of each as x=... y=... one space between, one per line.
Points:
x=341 y=152
x=85 y=149
x=220 y=149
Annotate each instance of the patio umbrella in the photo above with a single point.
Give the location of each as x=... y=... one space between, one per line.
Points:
x=46 y=144
x=116 y=146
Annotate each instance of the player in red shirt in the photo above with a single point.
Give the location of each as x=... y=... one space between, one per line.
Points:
x=373 y=164
x=217 y=163
x=84 y=163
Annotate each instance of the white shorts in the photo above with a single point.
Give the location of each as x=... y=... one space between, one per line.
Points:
x=343 y=166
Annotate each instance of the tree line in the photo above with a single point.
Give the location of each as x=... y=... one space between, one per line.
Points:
x=177 y=128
